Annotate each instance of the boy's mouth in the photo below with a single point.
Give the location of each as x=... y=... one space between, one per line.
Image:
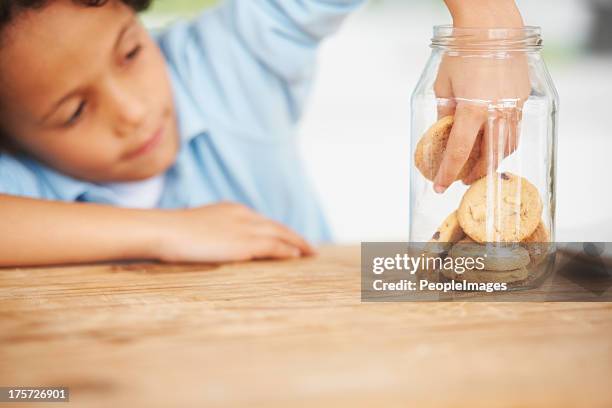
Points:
x=150 y=144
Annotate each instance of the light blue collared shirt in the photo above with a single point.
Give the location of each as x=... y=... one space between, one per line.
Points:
x=240 y=75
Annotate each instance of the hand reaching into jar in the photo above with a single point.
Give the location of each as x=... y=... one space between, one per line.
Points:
x=469 y=84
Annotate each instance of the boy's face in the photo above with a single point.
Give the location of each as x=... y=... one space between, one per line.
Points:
x=85 y=90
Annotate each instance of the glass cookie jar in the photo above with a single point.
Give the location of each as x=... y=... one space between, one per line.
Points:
x=484 y=124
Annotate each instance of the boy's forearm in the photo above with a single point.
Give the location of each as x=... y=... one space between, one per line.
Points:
x=485 y=13
x=37 y=232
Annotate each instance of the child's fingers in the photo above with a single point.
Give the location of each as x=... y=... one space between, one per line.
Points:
x=501 y=135
x=446 y=107
x=493 y=144
x=265 y=248
x=275 y=229
x=514 y=133
x=444 y=94
x=270 y=228
x=468 y=121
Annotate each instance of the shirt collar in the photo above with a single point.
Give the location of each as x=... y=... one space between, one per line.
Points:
x=70 y=189
x=63 y=187
x=189 y=118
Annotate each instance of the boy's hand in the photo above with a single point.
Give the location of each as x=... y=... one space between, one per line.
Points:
x=467 y=81
x=225 y=232
x=465 y=86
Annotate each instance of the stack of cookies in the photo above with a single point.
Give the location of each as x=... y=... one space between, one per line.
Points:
x=503 y=261
x=500 y=208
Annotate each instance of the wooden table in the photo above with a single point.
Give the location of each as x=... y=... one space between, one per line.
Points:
x=291 y=333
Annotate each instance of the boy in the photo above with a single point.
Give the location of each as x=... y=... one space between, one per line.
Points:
x=119 y=146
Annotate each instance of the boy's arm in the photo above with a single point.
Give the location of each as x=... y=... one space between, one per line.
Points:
x=464 y=79
x=41 y=232
x=484 y=13
x=36 y=232
x=254 y=59
x=284 y=35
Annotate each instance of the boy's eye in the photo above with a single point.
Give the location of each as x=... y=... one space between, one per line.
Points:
x=133 y=53
x=76 y=115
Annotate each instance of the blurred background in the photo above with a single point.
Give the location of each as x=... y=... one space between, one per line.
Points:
x=355 y=136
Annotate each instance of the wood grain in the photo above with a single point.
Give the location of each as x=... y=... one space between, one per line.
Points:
x=291 y=333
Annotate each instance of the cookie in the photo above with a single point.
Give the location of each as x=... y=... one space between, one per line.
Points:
x=539 y=235
x=449 y=231
x=441 y=241
x=431 y=147
x=538 y=244
x=485 y=276
x=502 y=207
x=445 y=236
x=494 y=257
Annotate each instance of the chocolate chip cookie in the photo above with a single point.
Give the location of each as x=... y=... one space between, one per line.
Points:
x=538 y=244
x=502 y=207
x=431 y=147
x=441 y=241
x=449 y=231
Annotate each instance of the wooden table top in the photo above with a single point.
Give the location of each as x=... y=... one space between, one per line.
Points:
x=290 y=333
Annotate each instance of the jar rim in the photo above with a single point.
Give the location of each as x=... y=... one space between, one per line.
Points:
x=528 y=29
x=506 y=38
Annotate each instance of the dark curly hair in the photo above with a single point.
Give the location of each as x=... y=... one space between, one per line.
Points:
x=9 y=9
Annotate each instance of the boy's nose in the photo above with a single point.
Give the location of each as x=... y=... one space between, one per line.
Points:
x=130 y=117
x=129 y=111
